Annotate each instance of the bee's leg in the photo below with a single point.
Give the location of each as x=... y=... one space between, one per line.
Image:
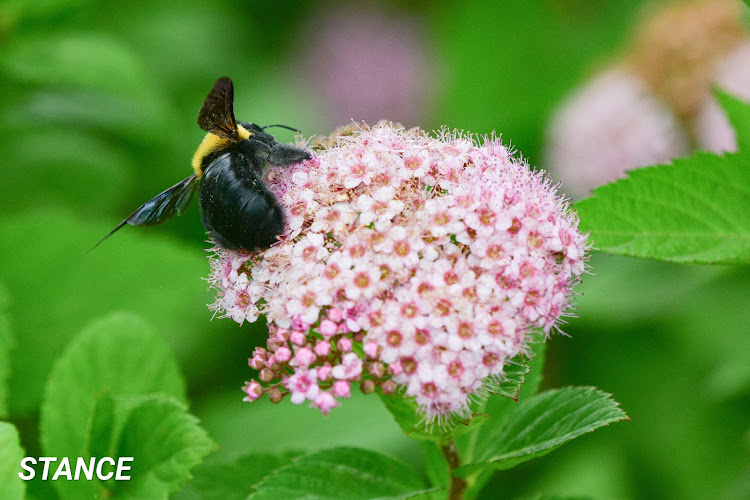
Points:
x=283 y=155
x=257 y=152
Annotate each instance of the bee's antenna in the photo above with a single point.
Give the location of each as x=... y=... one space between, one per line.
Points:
x=283 y=126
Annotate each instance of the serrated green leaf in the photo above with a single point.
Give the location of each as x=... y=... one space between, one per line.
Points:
x=738 y=113
x=6 y=344
x=695 y=210
x=405 y=412
x=514 y=375
x=233 y=481
x=540 y=424
x=498 y=405
x=55 y=298
x=335 y=473
x=11 y=453
x=119 y=355
x=165 y=442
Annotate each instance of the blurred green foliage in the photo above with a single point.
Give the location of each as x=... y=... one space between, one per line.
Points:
x=97 y=114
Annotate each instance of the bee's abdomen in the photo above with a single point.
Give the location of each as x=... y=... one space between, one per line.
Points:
x=236 y=207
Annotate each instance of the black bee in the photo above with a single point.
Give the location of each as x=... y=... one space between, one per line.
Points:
x=237 y=208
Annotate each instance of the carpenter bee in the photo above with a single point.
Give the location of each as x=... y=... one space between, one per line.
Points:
x=237 y=208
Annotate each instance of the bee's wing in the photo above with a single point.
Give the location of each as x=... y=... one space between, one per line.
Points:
x=217 y=113
x=162 y=207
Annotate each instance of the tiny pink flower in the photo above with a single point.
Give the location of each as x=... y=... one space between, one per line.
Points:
x=325 y=402
x=304 y=357
x=303 y=385
x=349 y=369
x=342 y=389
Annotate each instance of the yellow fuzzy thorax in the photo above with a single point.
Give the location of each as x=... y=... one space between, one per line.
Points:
x=212 y=143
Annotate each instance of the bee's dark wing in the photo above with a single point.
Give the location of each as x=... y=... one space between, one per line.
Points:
x=217 y=114
x=162 y=207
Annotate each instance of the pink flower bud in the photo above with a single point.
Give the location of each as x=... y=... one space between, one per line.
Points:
x=282 y=354
x=257 y=362
x=367 y=386
x=275 y=395
x=298 y=338
x=344 y=344
x=342 y=389
x=324 y=372
x=335 y=315
x=328 y=328
x=304 y=357
x=371 y=349
x=322 y=348
x=267 y=375
x=388 y=387
x=253 y=390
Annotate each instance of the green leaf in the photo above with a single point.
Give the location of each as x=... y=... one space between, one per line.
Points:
x=144 y=118
x=407 y=415
x=54 y=172
x=233 y=481
x=11 y=453
x=6 y=345
x=514 y=374
x=165 y=442
x=738 y=113
x=540 y=424
x=350 y=473
x=694 y=210
x=556 y=497
x=55 y=298
x=48 y=8
x=436 y=467
x=75 y=60
x=117 y=356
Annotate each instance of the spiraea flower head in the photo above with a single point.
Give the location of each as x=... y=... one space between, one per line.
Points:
x=409 y=262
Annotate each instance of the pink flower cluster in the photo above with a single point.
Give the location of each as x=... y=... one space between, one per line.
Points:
x=408 y=261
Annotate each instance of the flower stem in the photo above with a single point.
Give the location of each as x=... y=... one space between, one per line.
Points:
x=458 y=484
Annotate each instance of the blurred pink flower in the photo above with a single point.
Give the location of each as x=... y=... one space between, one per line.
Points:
x=368 y=63
x=610 y=125
x=712 y=129
x=457 y=253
